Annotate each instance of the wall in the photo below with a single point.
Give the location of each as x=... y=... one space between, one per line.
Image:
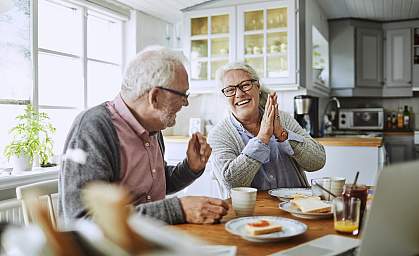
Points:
x=314 y=16
x=142 y=30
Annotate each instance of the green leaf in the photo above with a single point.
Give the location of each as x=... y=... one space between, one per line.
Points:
x=31 y=136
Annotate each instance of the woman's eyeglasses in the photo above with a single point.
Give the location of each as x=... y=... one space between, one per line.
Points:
x=244 y=86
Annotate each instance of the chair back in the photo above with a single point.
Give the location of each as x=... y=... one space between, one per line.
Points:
x=45 y=190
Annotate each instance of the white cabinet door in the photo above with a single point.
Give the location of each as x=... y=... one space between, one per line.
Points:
x=369 y=57
x=267 y=40
x=210 y=43
x=398 y=58
x=346 y=161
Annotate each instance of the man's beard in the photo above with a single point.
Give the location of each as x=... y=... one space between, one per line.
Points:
x=168 y=119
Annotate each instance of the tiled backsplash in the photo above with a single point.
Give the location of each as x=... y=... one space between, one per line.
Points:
x=214 y=107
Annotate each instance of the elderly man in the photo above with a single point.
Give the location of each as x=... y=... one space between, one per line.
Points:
x=120 y=141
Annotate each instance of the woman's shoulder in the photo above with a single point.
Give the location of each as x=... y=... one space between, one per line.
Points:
x=221 y=129
x=285 y=115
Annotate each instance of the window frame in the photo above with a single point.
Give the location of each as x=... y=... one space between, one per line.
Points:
x=83 y=6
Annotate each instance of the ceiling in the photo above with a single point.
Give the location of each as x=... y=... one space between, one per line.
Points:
x=383 y=10
x=168 y=10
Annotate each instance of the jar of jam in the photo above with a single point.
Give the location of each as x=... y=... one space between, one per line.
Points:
x=357 y=191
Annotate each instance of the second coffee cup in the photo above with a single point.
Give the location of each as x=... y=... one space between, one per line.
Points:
x=243 y=200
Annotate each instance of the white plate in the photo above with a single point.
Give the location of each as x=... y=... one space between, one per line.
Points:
x=286 y=206
x=286 y=194
x=290 y=228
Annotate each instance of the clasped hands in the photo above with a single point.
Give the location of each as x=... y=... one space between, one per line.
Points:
x=271 y=123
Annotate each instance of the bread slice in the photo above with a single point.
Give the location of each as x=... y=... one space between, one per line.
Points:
x=311 y=205
x=262 y=227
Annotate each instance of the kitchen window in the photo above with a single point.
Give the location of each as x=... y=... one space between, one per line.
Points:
x=79 y=61
x=77 y=65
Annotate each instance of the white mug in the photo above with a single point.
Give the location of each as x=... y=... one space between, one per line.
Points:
x=243 y=200
x=333 y=184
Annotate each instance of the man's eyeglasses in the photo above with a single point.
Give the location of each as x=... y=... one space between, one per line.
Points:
x=244 y=86
x=186 y=95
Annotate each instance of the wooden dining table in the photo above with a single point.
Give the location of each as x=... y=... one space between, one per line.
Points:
x=266 y=205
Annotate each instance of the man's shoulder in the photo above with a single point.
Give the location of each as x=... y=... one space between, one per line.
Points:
x=94 y=119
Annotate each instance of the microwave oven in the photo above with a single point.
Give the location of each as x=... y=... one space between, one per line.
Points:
x=361 y=119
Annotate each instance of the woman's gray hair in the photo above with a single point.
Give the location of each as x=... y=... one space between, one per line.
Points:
x=221 y=71
x=153 y=66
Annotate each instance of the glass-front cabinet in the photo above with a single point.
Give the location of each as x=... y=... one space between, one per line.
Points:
x=262 y=35
x=266 y=40
x=210 y=44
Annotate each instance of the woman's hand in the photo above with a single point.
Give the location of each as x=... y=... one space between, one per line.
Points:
x=277 y=122
x=267 y=124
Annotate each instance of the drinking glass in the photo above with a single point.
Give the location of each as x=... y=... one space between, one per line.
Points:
x=346 y=215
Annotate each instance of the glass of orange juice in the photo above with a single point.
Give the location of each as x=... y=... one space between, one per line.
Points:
x=346 y=215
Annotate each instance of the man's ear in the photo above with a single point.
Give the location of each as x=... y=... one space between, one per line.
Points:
x=152 y=97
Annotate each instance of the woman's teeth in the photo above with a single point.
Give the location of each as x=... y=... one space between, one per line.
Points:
x=240 y=103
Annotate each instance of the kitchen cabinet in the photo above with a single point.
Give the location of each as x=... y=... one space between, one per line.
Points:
x=175 y=152
x=399 y=148
x=266 y=40
x=398 y=58
x=356 y=58
x=369 y=49
x=262 y=35
x=345 y=161
x=210 y=44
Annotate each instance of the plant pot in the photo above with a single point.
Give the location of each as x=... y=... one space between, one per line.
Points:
x=316 y=73
x=22 y=163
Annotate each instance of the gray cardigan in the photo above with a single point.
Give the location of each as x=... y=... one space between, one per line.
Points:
x=234 y=169
x=94 y=134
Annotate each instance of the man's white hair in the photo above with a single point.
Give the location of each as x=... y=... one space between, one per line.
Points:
x=221 y=71
x=154 y=66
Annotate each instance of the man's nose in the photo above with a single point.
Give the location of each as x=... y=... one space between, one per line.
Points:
x=185 y=102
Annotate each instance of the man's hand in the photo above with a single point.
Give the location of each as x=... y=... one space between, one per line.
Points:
x=198 y=152
x=202 y=209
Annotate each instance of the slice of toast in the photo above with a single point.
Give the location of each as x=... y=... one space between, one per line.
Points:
x=262 y=227
x=311 y=205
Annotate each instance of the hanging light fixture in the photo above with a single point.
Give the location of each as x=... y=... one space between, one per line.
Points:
x=5 y=5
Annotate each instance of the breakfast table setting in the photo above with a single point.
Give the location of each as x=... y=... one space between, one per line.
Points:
x=298 y=223
x=266 y=205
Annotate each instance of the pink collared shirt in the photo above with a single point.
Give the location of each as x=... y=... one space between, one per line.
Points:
x=142 y=164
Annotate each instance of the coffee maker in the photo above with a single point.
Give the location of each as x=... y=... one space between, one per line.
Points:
x=306 y=112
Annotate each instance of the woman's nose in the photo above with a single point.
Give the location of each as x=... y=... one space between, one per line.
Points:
x=239 y=92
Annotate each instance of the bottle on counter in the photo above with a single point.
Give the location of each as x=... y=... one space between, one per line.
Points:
x=389 y=124
x=406 y=118
x=400 y=122
x=393 y=120
x=412 y=120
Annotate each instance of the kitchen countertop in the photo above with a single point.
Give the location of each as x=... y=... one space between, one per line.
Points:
x=340 y=140
x=351 y=141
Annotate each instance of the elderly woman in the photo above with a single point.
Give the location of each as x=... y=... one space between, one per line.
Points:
x=257 y=145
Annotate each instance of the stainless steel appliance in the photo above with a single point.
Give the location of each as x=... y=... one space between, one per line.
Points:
x=417 y=144
x=306 y=112
x=361 y=119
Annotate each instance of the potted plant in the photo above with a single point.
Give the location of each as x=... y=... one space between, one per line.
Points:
x=318 y=62
x=30 y=139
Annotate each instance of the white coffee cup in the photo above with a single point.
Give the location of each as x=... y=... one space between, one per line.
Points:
x=333 y=184
x=243 y=200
